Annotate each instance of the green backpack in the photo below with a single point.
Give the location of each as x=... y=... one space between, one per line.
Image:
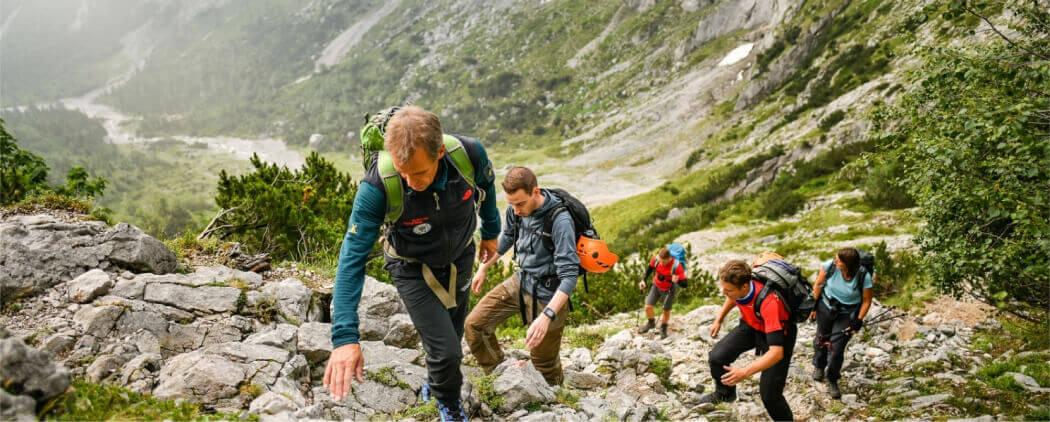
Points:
x=372 y=154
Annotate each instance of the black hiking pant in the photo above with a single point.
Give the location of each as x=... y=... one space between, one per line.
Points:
x=829 y=345
x=439 y=328
x=772 y=382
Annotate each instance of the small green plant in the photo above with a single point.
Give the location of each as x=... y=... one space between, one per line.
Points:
x=250 y=390
x=568 y=397
x=387 y=377
x=487 y=391
x=585 y=338
x=266 y=310
x=419 y=411
x=187 y=244
x=103 y=402
x=661 y=366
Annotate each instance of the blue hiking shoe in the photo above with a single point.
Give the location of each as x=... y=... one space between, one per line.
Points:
x=424 y=393
x=452 y=413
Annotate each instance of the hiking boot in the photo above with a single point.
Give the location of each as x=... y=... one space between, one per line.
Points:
x=818 y=374
x=452 y=411
x=648 y=326
x=663 y=331
x=716 y=397
x=833 y=389
x=424 y=393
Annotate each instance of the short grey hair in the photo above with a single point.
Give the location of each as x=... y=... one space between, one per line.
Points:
x=410 y=128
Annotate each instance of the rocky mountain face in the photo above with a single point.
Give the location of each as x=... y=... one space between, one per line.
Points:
x=623 y=91
x=234 y=341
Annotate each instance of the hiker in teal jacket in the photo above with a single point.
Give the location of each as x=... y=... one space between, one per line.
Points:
x=429 y=252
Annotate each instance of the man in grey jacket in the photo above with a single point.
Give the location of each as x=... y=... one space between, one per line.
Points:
x=545 y=281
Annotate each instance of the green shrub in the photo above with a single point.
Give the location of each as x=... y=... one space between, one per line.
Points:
x=299 y=214
x=23 y=173
x=831 y=120
x=971 y=140
x=694 y=157
x=883 y=188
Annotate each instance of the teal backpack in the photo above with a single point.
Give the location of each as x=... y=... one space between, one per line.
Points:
x=373 y=154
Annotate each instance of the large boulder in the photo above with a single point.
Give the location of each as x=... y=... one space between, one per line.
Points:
x=224 y=376
x=38 y=252
x=31 y=374
x=134 y=250
x=519 y=383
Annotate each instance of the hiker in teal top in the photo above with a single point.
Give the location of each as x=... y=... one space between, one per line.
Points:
x=843 y=291
x=442 y=184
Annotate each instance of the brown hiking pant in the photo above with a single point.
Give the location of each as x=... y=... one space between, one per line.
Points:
x=498 y=305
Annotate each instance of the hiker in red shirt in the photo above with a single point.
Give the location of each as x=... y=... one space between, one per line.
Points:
x=770 y=331
x=669 y=273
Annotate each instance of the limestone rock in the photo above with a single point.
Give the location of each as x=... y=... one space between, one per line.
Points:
x=402 y=333
x=204 y=299
x=315 y=341
x=519 y=383
x=31 y=373
x=86 y=287
x=293 y=298
x=39 y=252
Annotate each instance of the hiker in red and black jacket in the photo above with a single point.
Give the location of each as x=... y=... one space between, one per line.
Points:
x=771 y=333
x=669 y=273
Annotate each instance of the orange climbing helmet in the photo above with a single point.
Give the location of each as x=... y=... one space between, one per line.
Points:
x=594 y=255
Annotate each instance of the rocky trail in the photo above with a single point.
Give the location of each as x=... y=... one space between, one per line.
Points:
x=117 y=311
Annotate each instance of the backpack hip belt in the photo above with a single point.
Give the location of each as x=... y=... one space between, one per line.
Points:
x=446 y=296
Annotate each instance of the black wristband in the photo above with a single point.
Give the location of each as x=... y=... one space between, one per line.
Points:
x=550 y=313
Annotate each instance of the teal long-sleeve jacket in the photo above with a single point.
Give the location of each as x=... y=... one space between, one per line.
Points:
x=363 y=230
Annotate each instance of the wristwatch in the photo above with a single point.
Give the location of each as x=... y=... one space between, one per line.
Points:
x=550 y=313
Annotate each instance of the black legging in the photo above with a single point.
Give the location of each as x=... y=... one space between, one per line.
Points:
x=771 y=384
x=830 y=328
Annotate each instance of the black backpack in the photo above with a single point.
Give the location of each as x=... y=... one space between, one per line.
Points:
x=581 y=223
x=787 y=282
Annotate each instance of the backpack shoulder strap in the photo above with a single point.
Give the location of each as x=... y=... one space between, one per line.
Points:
x=674 y=266
x=392 y=185
x=548 y=225
x=760 y=298
x=455 y=150
x=830 y=269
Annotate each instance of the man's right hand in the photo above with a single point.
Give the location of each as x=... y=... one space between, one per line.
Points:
x=717 y=325
x=345 y=364
x=641 y=285
x=813 y=315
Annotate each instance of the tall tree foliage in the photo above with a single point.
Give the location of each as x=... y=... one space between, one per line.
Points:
x=973 y=141
x=297 y=214
x=23 y=173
